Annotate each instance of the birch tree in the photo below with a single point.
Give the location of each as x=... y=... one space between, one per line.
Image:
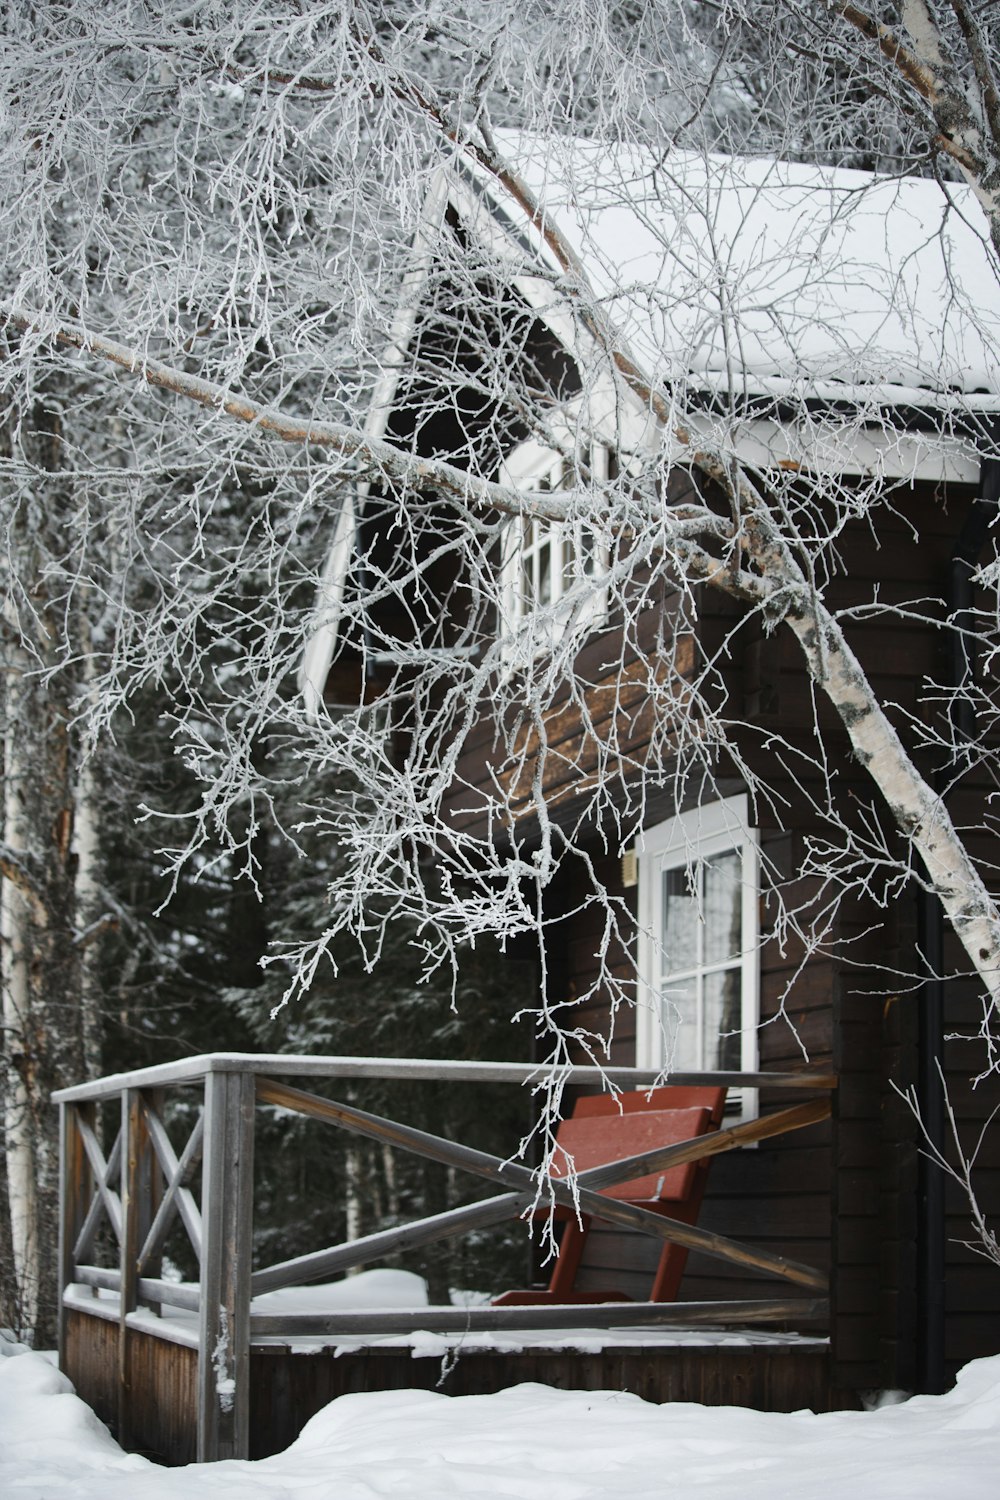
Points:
x=49 y=901
x=211 y=223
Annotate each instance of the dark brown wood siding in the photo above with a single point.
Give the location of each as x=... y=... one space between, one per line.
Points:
x=845 y=1194
x=288 y=1388
x=161 y=1378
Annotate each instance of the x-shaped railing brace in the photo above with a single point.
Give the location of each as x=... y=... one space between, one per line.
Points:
x=580 y=1195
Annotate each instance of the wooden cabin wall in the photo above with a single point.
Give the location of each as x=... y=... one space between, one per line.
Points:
x=972 y=1282
x=870 y=1003
x=898 y=655
x=777 y=1195
x=874 y=1203
x=756 y=1195
x=847 y=1191
x=842 y=1195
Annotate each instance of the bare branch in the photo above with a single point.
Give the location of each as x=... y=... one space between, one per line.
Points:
x=15 y=870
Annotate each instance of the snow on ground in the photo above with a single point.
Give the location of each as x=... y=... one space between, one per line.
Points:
x=528 y=1443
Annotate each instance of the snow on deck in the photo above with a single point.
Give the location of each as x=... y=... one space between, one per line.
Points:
x=383 y=1289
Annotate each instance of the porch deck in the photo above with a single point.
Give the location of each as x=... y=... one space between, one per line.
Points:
x=185 y=1372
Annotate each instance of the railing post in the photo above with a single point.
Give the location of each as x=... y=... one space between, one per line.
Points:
x=137 y=1180
x=74 y=1182
x=227 y=1218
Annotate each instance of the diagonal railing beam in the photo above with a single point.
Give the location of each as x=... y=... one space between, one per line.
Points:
x=104 y=1195
x=574 y=1196
x=492 y=1211
x=177 y=1198
x=715 y=1143
x=368 y=1247
x=88 y=1229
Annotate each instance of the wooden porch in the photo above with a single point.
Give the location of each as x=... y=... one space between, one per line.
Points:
x=185 y=1371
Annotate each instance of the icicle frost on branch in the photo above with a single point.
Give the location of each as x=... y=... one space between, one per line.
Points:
x=775 y=583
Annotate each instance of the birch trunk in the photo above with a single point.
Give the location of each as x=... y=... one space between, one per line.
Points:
x=48 y=1029
x=21 y=915
x=49 y=854
x=917 y=810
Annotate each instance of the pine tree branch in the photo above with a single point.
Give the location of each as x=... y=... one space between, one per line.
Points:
x=96 y=929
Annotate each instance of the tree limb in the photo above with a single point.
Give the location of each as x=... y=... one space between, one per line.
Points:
x=917 y=812
x=931 y=74
x=576 y=286
x=982 y=62
x=908 y=63
x=14 y=870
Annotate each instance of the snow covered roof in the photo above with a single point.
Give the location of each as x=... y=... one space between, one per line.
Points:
x=743 y=277
x=759 y=276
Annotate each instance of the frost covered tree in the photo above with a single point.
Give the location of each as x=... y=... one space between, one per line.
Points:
x=50 y=912
x=210 y=222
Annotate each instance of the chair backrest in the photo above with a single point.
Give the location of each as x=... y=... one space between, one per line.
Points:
x=604 y=1128
x=593 y=1140
x=670 y=1096
x=675 y=1113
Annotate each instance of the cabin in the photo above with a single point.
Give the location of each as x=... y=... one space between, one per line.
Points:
x=861 y=390
x=858 y=370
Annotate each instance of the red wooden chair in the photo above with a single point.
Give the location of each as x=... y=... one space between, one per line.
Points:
x=604 y=1129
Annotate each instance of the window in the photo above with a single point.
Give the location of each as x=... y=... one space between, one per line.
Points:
x=545 y=561
x=698 y=961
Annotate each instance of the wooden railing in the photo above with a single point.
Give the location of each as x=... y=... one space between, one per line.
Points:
x=139 y=1190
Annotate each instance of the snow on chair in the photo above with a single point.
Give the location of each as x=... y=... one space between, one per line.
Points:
x=604 y=1129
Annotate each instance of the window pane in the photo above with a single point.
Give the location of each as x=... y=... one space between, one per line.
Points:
x=721 y=998
x=679 y=1020
x=527 y=582
x=680 y=922
x=723 y=909
x=544 y=556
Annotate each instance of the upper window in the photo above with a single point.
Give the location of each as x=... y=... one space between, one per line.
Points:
x=549 y=567
x=698 y=944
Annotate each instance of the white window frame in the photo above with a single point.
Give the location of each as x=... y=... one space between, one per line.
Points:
x=686 y=842
x=533 y=467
